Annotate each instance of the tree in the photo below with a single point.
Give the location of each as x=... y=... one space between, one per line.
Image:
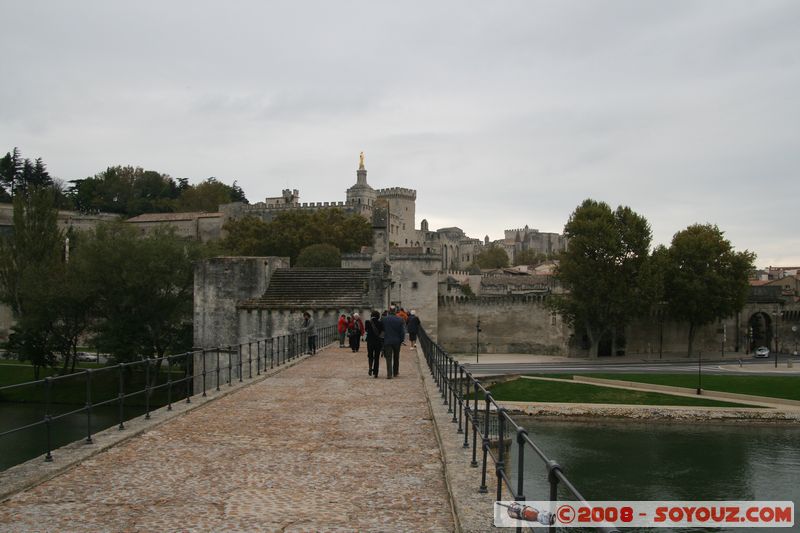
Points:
x=10 y=171
x=605 y=270
x=144 y=287
x=129 y=191
x=320 y=255
x=529 y=257
x=31 y=268
x=208 y=196
x=704 y=278
x=492 y=257
x=290 y=232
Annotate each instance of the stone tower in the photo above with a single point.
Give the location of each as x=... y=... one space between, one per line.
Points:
x=361 y=197
x=402 y=204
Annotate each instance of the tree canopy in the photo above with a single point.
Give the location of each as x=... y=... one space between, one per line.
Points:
x=320 y=255
x=529 y=257
x=605 y=270
x=704 y=278
x=290 y=232
x=492 y=257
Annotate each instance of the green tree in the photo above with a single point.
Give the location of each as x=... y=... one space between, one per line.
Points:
x=320 y=255
x=704 y=278
x=208 y=196
x=10 y=171
x=529 y=257
x=144 y=287
x=31 y=268
x=290 y=232
x=492 y=257
x=605 y=270
x=129 y=191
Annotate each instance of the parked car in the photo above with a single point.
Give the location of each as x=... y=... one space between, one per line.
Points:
x=87 y=357
x=762 y=351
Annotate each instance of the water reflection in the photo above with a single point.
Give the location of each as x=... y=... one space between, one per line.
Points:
x=632 y=460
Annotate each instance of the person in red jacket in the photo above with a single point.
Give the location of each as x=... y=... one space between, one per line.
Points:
x=341 y=327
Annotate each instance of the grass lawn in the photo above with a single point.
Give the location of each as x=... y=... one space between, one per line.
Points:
x=787 y=387
x=533 y=390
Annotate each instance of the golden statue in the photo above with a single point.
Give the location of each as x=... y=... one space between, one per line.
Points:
x=361 y=161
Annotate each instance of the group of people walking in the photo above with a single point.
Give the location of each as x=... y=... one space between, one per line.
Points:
x=384 y=334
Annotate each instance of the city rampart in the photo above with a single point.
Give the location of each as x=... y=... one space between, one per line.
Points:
x=513 y=324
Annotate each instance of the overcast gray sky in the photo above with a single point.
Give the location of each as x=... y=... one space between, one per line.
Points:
x=499 y=114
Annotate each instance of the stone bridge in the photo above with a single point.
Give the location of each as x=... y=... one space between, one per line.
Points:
x=317 y=446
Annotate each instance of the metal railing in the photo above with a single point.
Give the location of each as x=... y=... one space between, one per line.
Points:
x=461 y=391
x=217 y=366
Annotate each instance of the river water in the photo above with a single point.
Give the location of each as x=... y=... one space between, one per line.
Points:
x=633 y=460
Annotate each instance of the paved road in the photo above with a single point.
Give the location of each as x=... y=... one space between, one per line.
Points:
x=318 y=447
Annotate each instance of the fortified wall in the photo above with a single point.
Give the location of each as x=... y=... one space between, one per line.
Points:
x=512 y=324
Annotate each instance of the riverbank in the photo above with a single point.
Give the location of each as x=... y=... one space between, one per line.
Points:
x=581 y=411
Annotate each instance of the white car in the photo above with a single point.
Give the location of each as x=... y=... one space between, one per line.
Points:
x=87 y=357
x=762 y=351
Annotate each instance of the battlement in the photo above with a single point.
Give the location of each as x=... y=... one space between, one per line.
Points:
x=398 y=192
x=261 y=206
x=522 y=230
x=493 y=301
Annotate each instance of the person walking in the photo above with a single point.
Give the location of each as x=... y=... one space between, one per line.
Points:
x=394 y=333
x=311 y=333
x=355 y=329
x=341 y=327
x=413 y=328
x=374 y=329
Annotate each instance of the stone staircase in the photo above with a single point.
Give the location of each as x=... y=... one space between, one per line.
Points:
x=314 y=288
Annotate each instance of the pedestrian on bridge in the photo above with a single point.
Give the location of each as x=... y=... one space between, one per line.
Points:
x=413 y=328
x=311 y=332
x=394 y=333
x=374 y=329
x=341 y=327
x=355 y=329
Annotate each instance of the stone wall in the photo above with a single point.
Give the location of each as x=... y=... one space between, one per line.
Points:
x=219 y=284
x=509 y=325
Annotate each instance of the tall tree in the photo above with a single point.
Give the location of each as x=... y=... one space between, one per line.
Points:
x=208 y=196
x=290 y=232
x=705 y=279
x=604 y=269
x=129 y=191
x=492 y=257
x=529 y=257
x=31 y=267
x=320 y=255
x=144 y=287
x=10 y=171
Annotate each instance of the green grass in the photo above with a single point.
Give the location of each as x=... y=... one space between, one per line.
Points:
x=534 y=390
x=787 y=387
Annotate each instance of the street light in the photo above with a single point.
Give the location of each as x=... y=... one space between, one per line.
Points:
x=477 y=339
x=777 y=315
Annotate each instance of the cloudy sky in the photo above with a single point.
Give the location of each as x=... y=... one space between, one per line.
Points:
x=499 y=114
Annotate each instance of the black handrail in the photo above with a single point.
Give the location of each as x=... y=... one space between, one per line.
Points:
x=293 y=347
x=454 y=383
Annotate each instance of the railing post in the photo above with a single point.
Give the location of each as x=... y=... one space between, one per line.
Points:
x=48 y=419
x=186 y=359
x=217 y=367
x=460 y=398
x=230 y=366
x=239 y=355
x=483 y=489
x=258 y=357
x=147 y=388
x=203 y=352
x=271 y=353
x=520 y=495
x=121 y=396
x=88 y=405
x=501 y=451
x=250 y=359
x=552 y=468
x=453 y=396
x=474 y=462
x=169 y=384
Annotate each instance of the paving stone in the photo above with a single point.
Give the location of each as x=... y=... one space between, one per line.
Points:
x=321 y=446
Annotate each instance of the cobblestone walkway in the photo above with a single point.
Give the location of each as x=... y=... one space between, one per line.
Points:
x=318 y=447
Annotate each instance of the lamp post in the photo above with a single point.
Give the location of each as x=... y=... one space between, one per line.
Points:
x=477 y=339
x=777 y=315
x=699 y=371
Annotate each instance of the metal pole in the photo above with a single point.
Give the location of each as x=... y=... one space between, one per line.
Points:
x=203 y=353
x=477 y=340
x=121 y=396
x=48 y=386
x=474 y=462
x=88 y=405
x=147 y=388
x=501 y=452
x=186 y=359
x=699 y=371
x=483 y=489
x=169 y=384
